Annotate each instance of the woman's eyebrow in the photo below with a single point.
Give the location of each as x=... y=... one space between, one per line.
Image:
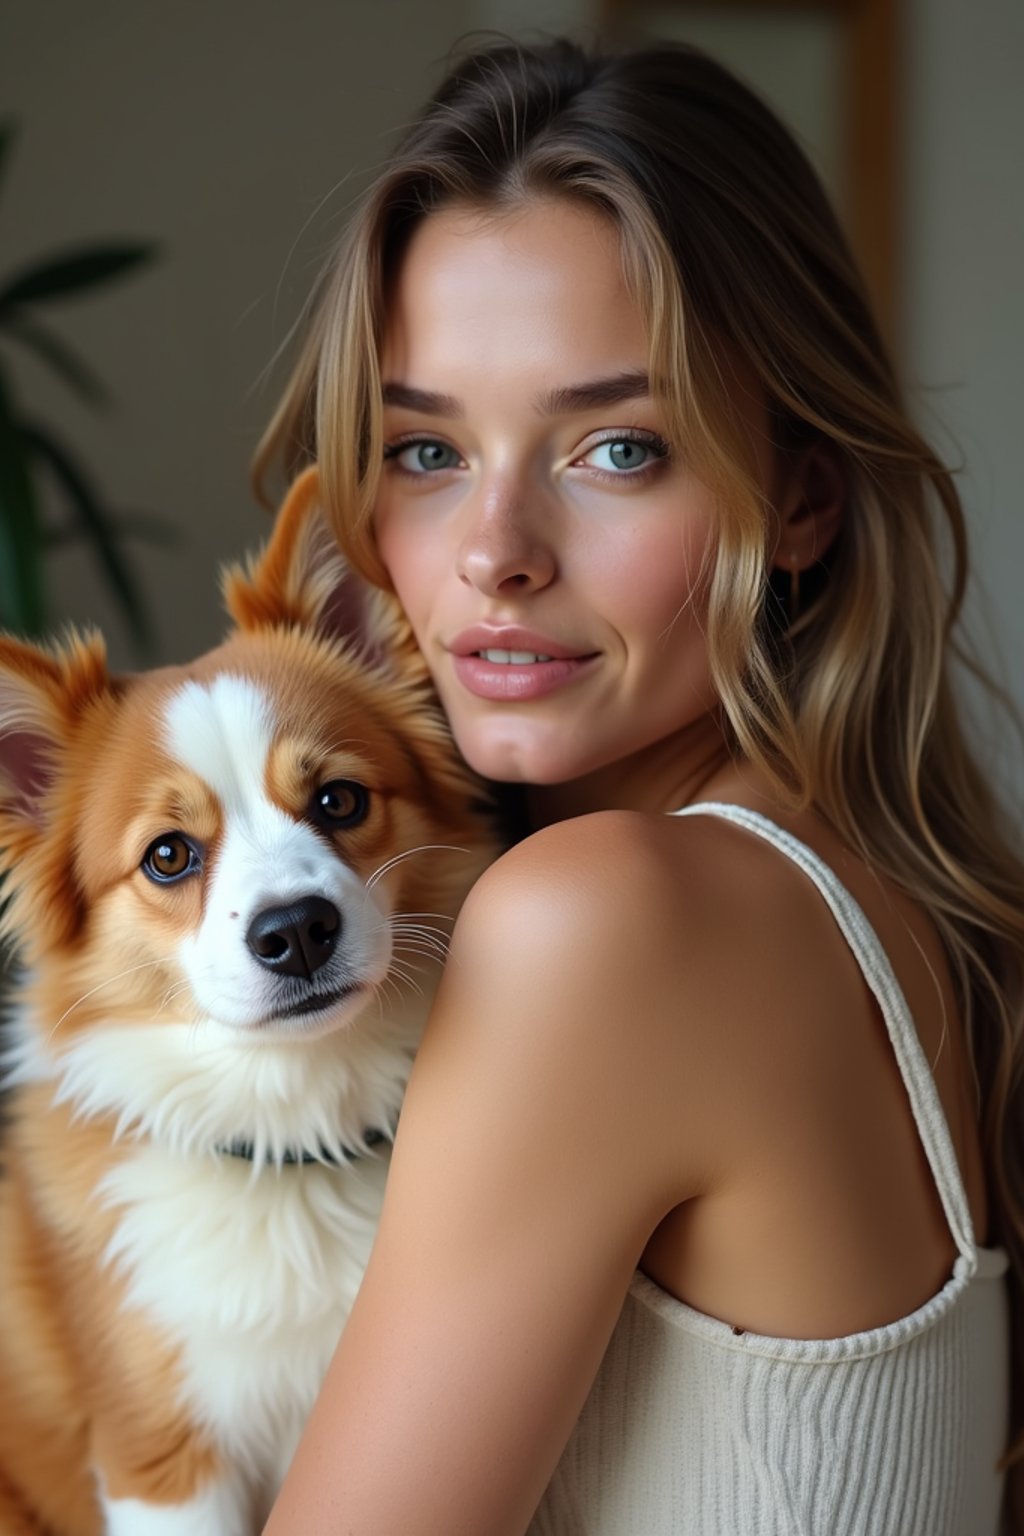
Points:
x=423 y=400
x=556 y=402
x=586 y=397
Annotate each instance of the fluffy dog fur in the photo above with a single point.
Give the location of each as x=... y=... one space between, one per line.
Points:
x=168 y=1308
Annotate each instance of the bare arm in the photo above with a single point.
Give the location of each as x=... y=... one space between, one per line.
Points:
x=543 y=1137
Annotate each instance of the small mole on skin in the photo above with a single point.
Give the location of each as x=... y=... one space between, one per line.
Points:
x=232 y=914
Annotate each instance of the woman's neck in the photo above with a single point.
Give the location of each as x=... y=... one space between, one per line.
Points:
x=661 y=777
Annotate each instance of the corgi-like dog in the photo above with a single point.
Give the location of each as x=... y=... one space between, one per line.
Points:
x=219 y=878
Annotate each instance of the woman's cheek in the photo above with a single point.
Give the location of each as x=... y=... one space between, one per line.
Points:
x=410 y=558
x=656 y=574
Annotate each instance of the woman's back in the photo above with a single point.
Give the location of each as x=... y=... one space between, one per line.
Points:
x=836 y=1224
x=721 y=1415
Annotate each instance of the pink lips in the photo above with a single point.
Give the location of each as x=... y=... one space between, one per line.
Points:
x=515 y=682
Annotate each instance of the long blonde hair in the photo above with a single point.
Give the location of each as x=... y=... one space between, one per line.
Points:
x=727 y=235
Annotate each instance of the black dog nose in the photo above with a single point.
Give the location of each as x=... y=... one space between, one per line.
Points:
x=295 y=940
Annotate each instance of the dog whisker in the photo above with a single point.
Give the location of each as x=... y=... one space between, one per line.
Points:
x=412 y=917
x=387 y=985
x=438 y=942
x=413 y=946
x=427 y=935
x=183 y=984
x=443 y=917
x=425 y=964
x=109 y=981
x=398 y=924
x=173 y=991
x=402 y=969
x=423 y=848
x=401 y=922
x=410 y=951
x=409 y=977
x=409 y=980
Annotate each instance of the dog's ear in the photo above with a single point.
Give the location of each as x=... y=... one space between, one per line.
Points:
x=41 y=694
x=302 y=578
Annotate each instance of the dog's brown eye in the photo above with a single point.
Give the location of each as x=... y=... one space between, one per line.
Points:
x=341 y=803
x=169 y=857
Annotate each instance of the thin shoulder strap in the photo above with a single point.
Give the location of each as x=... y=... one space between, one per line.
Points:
x=878 y=973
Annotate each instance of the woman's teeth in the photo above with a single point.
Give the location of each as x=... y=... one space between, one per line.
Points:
x=514 y=658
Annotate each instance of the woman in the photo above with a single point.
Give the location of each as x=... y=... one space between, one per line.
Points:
x=726 y=1172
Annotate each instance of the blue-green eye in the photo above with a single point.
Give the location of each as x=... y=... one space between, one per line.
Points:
x=422 y=457
x=623 y=454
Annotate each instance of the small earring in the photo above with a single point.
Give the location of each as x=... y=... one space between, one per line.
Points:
x=794 y=589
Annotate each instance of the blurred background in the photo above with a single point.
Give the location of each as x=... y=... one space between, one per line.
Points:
x=235 y=136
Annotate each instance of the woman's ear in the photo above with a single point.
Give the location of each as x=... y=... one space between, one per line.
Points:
x=811 y=507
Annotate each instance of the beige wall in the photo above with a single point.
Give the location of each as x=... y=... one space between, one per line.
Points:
x=964 y=331
x=219 y=131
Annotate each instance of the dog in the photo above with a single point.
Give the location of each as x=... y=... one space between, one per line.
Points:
x=219 y=877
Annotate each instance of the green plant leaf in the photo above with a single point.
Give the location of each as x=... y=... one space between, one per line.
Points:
x=69 y=273
x=97 y=524
x=21 y=567
x=42 y=341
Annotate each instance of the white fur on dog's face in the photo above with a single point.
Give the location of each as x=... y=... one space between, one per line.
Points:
x=223 y=731
x=232 y=754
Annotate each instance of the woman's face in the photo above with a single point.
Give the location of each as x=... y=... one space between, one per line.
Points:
x=542 y=532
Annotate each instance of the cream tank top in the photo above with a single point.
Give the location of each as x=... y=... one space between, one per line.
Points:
x=692 y=1430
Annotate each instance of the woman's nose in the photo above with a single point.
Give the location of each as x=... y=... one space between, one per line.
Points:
x=504 y=547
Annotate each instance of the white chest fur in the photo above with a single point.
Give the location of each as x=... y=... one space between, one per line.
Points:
x=249 y=1270
x=251 y=1276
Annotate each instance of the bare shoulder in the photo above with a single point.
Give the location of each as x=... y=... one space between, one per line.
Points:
x=606 y=866
x=664 y=888
x=644 y=958
x=615 y=898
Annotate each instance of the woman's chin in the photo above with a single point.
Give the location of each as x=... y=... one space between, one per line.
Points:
x=518 y=757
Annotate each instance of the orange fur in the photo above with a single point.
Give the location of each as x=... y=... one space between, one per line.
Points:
x=85 y=1381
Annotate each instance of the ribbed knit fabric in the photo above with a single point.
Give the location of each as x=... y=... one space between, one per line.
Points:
x=692 y=1430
